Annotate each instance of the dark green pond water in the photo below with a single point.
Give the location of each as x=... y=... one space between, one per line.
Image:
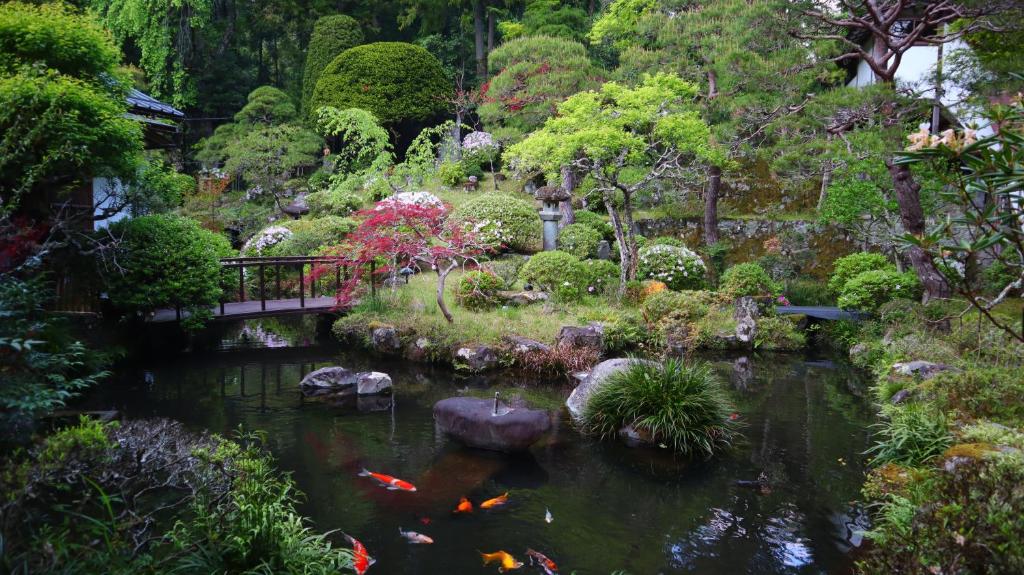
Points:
x=615 y=508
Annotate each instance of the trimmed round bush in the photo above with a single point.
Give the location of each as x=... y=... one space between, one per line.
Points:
x=335 y=201
x=311 y=234
x=692 y=304
x=748 y=279
x=596 y=221
x=478 y=290
x=167 y=261
x=331 y=36
x=579 y=240
x=681 y=405
x=678 y=267
x=502 y=220
x=601 y=275
x=394 y=81
x=848 y=267
x=451 y=173
x=867 y=291
x=557 y=272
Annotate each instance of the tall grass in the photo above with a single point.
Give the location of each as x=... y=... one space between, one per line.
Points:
x=911 y=435
x=683 y=406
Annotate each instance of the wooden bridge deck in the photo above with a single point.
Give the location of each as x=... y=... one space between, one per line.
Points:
x=254 y=309
x=820 y=312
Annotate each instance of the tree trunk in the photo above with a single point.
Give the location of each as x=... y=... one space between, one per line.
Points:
x=912 y=216
x=442 y=275
x=627 y=223
x=491 y=22
x=620 y=238
x=478 y=39
x=712 y=85
x=826 y=181
x=568 y=184
x=711 y=205
x=457 y=134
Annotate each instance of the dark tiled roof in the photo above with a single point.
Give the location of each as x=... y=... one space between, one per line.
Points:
x=142 y=101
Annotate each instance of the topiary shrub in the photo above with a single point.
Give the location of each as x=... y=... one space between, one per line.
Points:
x=166 y=262
x=602 y=276
x=451 y=173
x=579 y=240
x=502 y=220
x=394 y=81
x=848 y=267
x=331 y=36
x=869 y=290
x=678 y=267
x=310 y=235
x=478 y=290
x=691 y=304
x=748 y=279
x=557 y=272
x=681 y=405
x=597 y=222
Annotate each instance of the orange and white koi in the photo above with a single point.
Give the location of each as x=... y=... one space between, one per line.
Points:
x=507 y=561
x=546 y=564
x=413 y=537
x=497 y=501
x=361 y=560
x=391 y=483
x=464 y=506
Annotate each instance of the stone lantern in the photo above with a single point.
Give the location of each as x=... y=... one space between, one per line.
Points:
x=551 y=196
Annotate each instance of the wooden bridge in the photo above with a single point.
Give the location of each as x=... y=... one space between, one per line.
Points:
x=275 y=286
x=820 y=312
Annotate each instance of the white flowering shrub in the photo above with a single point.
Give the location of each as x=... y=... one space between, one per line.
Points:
x=420 y=199
x=474 y=141
x=502 y=220
x=677 y=267
x=265 y=239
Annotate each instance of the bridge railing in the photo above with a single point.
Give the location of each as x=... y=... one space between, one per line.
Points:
x=273 y=270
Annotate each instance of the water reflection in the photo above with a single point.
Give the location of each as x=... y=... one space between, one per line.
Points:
x=641 y=510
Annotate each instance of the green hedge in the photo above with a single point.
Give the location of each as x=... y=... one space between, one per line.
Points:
x=579 y=240
x=504 y=220
x=394 y=81
x=332 y=35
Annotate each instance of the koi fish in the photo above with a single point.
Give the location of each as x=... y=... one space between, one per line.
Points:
x=391 y=483
x=464 y=506
x=425 y=520
x=547 y=515
x=361 y=560
x=507 y=561
x=497 y=501
x=546 y=564
x=413 y=537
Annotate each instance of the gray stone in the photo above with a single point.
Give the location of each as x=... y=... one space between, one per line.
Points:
x=922 y=369
x=901 y=396
x=419 y=349
x=476 y=359
x=746 y=315
x=604 y=250
x=595 y=380
x=522 y=297
x=858 y=350
x=328 y=378
x=373 y=383
x=591 y=336
x=385 y=340
x=472 y=422
x=523 y=345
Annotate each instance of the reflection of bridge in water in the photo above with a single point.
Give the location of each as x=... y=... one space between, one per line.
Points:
x=274 y=286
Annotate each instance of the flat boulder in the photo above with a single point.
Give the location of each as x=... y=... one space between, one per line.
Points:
x=340 y=381
x=472 y=422
x=590 y=336
x=525 y=345
x=476 y=359
x=373 y=383
x=595 y=380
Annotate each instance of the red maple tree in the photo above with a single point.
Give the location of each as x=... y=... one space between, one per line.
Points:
x=394 y=235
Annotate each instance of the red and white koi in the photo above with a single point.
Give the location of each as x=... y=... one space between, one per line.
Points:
x=391 y=483
x=546 y=564
x=361 y=560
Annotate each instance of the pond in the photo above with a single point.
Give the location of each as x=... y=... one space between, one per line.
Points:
x=614 y=507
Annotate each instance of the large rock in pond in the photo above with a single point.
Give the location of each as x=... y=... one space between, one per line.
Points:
x=595 y=380
x=472 y=422
x=476 y=359
x=338 y=380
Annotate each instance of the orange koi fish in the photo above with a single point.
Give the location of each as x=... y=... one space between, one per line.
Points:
x=464 y=506
x=507 y=561
x=392 y=483
x=546 y=564
x=497 y=501
x=361 y=560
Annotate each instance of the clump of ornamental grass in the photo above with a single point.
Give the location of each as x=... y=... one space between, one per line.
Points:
x=680 y=405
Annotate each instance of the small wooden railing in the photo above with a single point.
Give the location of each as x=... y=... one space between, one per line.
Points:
x=279 y=265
